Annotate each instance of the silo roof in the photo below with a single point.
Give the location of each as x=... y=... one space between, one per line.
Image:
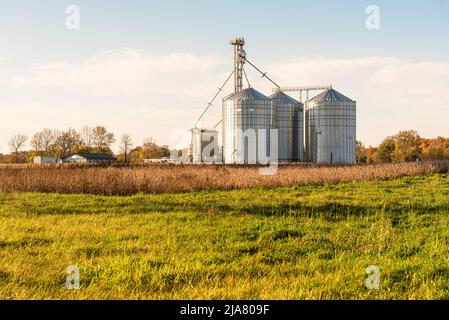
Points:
x=281 y=97
x=331 y=96
x=247 y=94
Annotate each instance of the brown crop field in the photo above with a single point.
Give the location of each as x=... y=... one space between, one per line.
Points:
x=187 y=178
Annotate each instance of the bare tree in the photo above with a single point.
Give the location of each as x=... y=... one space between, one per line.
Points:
x=48 y=139
x=102 y=139
x=16 y=143
x=44 y=141
x=125 y=145
x=57 y=148
x=86 y=137
x=36 y=142
x=149 y=143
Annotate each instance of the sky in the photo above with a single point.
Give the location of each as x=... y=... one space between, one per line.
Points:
x=149 y=67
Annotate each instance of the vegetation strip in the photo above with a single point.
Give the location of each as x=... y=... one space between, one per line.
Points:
x=172 y=179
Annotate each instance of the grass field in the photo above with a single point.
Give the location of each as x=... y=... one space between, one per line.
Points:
x=307 y=242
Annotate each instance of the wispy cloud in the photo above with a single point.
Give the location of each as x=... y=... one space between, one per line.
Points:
x=395 y=80
x=127 y=72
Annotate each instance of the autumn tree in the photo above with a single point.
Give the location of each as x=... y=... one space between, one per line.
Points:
x=360 y=152
x=407 y=146
x=385 y=150
x=164 y=151
x=371 y=155
x=134 y=154
x=434 y=149
x=67 y=142
x=148 y=149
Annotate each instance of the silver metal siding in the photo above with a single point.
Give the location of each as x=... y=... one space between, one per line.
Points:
x=288 y=118
x=331 y=129
x=248 y=109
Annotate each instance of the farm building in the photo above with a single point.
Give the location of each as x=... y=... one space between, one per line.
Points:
x=44 y=160
x=161 y=160
x=84 y=157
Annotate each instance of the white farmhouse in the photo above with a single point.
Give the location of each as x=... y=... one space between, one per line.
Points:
x=44 y=160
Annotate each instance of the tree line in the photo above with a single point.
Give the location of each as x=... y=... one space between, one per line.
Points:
x=62 y=143
x=405 y=146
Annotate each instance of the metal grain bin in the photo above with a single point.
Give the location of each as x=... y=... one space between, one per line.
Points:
x=330 y=125
x=288 y=118
x=246 y=112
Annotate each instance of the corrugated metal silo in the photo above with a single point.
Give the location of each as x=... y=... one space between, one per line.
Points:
x=330 y=125
x=247 y=112
x=288 y=118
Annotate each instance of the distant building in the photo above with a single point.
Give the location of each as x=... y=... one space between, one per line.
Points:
x=161 y=160
x=203 y=146
x=84 y=157
x=44 y=160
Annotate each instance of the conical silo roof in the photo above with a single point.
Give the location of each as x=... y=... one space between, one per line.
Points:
x=282 y=98
x=330 y=95
x=247 y=94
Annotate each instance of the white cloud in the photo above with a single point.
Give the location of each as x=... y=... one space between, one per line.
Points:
x=127 y=72
x=399 y=80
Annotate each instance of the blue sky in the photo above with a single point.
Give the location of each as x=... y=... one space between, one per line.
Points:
x=334 y=28
x=37 y=52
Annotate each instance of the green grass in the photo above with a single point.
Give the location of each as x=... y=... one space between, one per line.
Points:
x=310 y=242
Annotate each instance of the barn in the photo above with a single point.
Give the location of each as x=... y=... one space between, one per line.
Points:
x=85 y=157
